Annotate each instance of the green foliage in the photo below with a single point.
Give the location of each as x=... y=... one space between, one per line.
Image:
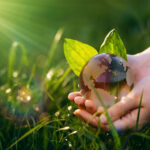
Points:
x=60 y=129
x=42 y=123
x=77 y=54
x=113 y=44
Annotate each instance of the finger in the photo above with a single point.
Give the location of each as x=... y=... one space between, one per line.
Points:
x=87 y=117
x=100 y=110
x=121 y=108
x=72 y=95
x=79 y=100
x=129 y=120
x=90 y=106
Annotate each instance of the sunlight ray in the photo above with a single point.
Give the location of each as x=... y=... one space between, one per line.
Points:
x=19 y=26
x=21 y=29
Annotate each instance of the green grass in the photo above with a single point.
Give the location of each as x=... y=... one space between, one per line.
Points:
x=58 y=128
x=114 y=132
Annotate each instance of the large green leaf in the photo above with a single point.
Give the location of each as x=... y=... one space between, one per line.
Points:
x=113 y=44
x=77 y=54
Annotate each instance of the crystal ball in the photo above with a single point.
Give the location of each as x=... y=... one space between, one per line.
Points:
x=110 y=75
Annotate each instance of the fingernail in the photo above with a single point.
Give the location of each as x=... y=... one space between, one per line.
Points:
x=103 y=119
x=76 y=112
x=78 y=100
x=70 y=96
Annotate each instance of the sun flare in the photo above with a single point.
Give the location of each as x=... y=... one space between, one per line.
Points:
x=16 y=22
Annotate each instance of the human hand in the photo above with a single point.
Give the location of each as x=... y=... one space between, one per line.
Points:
x=86 y=108
x=123 y=113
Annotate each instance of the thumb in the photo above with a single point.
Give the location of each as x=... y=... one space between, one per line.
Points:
x=121 y=108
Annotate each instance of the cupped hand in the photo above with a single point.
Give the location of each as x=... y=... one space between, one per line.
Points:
x=124 y=113
x=86 y=108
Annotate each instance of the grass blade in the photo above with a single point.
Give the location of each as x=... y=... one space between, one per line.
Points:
x=31 y=76
x=141 y=135
x=61 y=79
x=53 y=100
x=53 y=49
x=12 y=58
x=114 y=132
x=139 y=109
x=45 y=121
x=29 y=132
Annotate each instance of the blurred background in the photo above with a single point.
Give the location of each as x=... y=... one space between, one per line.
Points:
x=27 y=85
x=35 y=22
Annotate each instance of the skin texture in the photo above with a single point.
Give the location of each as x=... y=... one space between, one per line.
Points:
x=124 y=113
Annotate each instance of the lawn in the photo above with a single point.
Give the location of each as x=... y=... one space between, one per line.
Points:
x=35 y=77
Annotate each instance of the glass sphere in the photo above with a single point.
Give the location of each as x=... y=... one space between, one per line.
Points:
x=110 y=75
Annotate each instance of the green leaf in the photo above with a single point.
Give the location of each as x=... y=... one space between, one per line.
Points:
x=113 y=44
x=78 y=54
